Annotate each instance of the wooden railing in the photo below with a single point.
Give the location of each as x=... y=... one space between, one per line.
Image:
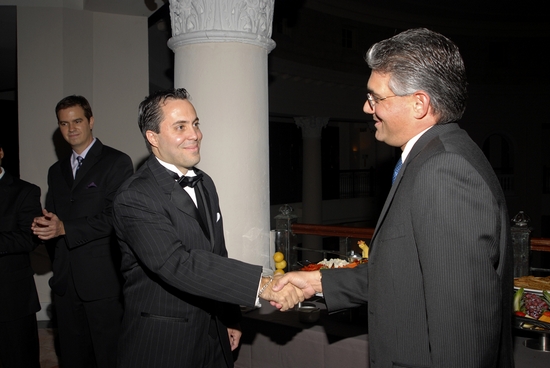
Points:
x=537 y=244
x=328 y=230
x=540 y=244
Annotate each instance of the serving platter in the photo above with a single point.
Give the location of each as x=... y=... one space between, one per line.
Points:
x=530 y=324
x=534 y=291
x=540 y=328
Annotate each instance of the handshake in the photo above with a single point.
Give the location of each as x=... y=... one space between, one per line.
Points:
x=285 y=291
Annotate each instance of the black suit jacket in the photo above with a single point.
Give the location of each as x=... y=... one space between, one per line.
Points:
x=84 y=204
x=19 y=205
x=177 y=280
x=439 y=277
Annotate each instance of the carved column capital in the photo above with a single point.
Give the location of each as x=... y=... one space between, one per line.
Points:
x=311 y=125
x=200 y=21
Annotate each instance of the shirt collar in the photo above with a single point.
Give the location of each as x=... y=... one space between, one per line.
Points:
x=83 y=153
x=173 y=168
x=410 y=144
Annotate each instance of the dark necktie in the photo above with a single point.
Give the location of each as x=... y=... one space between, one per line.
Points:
x=79 y=159
x=396 y=170
x=189 y=181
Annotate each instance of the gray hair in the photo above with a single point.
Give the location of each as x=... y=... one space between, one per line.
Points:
x=420 y=59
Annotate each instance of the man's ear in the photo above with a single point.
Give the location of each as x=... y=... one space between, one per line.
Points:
x=421 y=104
x=152 y=138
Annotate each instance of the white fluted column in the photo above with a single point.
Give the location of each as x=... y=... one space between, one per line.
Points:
x=312 y=189
x=221 y=49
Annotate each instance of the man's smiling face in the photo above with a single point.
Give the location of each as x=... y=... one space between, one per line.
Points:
x=179 y=138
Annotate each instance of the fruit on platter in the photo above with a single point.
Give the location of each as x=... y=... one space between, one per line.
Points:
x=532 y=305
x=545 y=317
x=332 y=263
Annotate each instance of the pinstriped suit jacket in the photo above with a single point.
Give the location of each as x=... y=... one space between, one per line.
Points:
x=439 y=278
x=175 y=277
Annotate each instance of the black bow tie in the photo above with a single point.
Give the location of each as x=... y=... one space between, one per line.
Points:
x=189 y=181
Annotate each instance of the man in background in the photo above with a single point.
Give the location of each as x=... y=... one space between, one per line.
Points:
x=19 y=204
x=77 y=225
x=439 y=278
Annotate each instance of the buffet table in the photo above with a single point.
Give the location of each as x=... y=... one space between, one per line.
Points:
x=274 y=339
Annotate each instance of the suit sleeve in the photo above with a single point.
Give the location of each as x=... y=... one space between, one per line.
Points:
x=187 y=264
x=50 y=244
x=82 y=230
x=456 y=223
x=345 y=287
x=15 y=231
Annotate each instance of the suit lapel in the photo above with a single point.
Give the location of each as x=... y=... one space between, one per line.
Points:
x=387 y=204
x=183 y=202
x=67 y=171
x=178 y=196
x=92 y=157
x=201 y=192
x=435 y=131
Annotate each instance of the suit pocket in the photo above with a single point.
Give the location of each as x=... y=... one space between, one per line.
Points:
x=89 y=201
x=393 y=232
x=164 y=318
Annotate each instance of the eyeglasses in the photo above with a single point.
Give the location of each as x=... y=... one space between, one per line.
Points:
x=373 y=100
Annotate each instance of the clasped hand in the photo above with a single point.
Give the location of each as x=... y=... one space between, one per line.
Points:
x=48 y=226
x=291 y=288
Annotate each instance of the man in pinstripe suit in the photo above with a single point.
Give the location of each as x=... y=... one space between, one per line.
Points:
x=181 y=292
x=439 y=278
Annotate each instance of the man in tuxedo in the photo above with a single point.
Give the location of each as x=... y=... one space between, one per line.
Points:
x=181 y=291
x=439 y=277
x=77 y=225
x=19 y=204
